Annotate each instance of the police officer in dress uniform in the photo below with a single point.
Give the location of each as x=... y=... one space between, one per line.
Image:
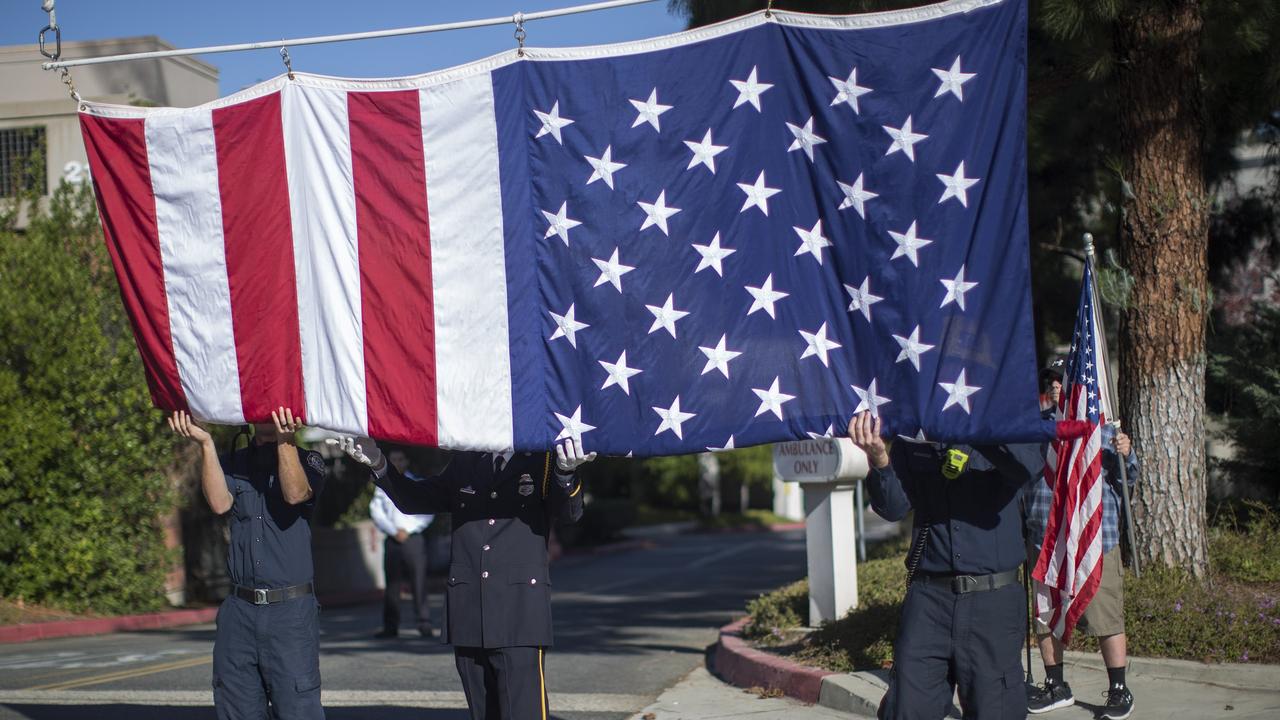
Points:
x=498 y=601
x=964 y=615
x=266 y=654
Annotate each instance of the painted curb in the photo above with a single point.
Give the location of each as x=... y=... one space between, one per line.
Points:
x=30 y=632
x=744 y=666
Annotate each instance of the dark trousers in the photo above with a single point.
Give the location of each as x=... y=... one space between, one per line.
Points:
x=266 y=660
x=401 y=562
x=503 y=683
x=969 y=642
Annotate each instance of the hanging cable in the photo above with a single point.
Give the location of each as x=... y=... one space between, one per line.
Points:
x=288 y=62
x=346 y=37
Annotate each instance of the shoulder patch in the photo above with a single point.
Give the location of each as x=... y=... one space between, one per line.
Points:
x=315 y=461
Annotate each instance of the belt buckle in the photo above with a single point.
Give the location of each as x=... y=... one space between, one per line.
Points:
x=259 y=596
x=962 y=584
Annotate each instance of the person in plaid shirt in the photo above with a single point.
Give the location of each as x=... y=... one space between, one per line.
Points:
x=1104 y=617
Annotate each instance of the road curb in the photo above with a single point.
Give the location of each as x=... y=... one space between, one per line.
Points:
x=30 y=632
x=740 y=664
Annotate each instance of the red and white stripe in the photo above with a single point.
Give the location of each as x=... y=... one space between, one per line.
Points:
x=317 y=245
x=1069 y=568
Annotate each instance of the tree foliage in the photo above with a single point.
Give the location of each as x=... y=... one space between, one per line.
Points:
x=82 y=492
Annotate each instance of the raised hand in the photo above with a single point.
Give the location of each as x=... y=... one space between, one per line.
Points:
x=363 y=450
x=286 y=424
x=569 y=455
x=182 y=424
x=864 y=431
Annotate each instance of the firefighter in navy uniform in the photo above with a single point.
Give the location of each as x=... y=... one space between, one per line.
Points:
x=266 y=653
x=963 y=619
x=498 y=601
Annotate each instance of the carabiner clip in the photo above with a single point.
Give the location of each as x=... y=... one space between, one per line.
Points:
x=57 y=37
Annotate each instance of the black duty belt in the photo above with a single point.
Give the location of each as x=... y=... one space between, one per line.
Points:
x=264 y=596
x=961 y=584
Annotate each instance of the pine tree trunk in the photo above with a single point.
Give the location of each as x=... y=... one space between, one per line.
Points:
x=1164 y=249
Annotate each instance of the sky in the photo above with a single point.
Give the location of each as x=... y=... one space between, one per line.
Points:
x=194 y=24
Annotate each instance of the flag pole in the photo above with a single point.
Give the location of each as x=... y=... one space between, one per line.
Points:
x=1111 y=400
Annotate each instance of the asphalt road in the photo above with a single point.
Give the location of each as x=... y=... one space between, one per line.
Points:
x=628 y=626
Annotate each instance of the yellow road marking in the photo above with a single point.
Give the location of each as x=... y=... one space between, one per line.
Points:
x=126 y=674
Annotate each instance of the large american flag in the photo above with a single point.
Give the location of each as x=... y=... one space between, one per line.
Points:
x=1069 y=568
x=729 y=236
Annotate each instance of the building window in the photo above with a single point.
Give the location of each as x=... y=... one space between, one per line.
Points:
x=23 y=161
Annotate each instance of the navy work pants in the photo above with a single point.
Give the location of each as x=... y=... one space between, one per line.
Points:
x=968 y=642
x=266 y=660
x=503 y=683
x=405 y=561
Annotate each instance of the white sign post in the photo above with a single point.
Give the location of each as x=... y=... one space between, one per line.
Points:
x=829 y=470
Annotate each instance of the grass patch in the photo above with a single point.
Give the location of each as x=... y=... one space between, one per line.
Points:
x=1234 y=616
x=751 y=519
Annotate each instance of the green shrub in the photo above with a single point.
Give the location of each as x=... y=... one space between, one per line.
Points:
x=774 y=612
x=82 y=487
x=1251 y=553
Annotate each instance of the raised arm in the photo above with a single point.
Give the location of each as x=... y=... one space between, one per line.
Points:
x=295 y=485
x=213 y=483
x=889 y=498
x=413 y=497
x=564 y=496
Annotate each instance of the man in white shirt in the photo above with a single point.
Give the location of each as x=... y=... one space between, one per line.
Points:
x=404 y=554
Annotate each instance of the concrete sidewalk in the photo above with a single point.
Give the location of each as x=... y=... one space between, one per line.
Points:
x=701 y=696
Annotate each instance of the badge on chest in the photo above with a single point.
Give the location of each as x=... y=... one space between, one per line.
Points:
x=525 y=488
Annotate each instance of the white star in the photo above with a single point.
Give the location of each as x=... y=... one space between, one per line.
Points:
x=958 y=393
x=956 y=289
x=855 y=196
x=903 y=139
x=603 y=167
x=705 y=152
x=552 y=122
x=649 y=110
x=908 y=244
x=672 y=418
x=765 y=296
x=749 y=90
x=619 y=373
x=952 y=80
x=657 y=212
x=665 y=317
x=718 y=357
x=727 y=446
x=567 y=327
x=757 y=194
x=819 y=344
x=860 y=298
x=712 y=255
x=611 y=271
x=957 y=186
x=771 y=400
x=812 y=241
x=848 y=91
x=912 y=348
x=573 y=426
x=560 y=223
x=805 y=138
x=868 y=399
x=830 y=432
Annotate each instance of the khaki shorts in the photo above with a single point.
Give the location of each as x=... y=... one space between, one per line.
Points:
x=1105 y=614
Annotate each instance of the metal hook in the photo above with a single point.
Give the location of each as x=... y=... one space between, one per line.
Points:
x=518 y=19
x=288 y=62
x=768 y=9
x=57 y=39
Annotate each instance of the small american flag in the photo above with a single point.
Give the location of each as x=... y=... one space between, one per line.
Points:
x=1070 y=564
x=735 y=235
